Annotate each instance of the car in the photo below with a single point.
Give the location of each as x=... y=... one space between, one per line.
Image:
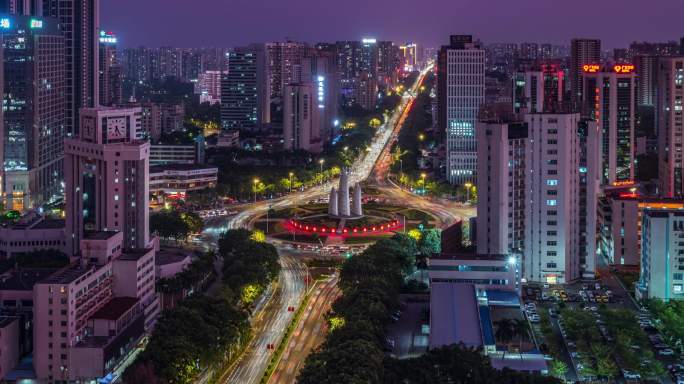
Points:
x=679 y=379
x=585 y=287
x=553 y=312
x=593 y=309
x=609 y=292
x=597 y=286
x=630 y=375
x=530 y=305
x=666 y=352
x=571 y=344
x=534 y=318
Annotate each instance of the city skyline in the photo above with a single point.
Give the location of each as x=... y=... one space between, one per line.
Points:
x=213 y=24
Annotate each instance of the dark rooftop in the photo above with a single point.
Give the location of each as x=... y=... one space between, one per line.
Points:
x=23 y=279
x=67 y=274
x=470 y=256
x=115 y=308
x=170 y=255
x=99 y=235
x=50 y=224
x=179 y=167
x=134 y=254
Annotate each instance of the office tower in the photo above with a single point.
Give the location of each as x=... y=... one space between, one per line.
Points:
x=365 y=91
x=244 y=90
x=554 y=220
x=610 y=98
x=662 y=266
x=529 y=51
x=669 y=126
x=583 y=52
x=33 y=87
x=301 y=124
x=461 y=78
x=209 y=87
x=106 y=173
x=501 y=186
x=367 y=61
x=79 y=21
x=319 y=69
x=353 y=58
x=538 y=90
x=284 y=62
x=409 y=56
x=110 y=71
x=646 y=77
x=170 y=63
x=590 y=167
x=388 y=63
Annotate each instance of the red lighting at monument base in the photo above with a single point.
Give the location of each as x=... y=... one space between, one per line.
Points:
x=385 y=227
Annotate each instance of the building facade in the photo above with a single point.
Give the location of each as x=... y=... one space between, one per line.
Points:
x=582 y=52
x=670 y=127
x=33 y=85
x=461 y=92
x=301 y=120
x=111 y=86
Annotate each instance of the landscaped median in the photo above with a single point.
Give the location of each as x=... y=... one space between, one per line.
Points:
x=277 y=355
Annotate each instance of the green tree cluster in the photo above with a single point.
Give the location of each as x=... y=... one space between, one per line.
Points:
x=174 y=225
x=195 y=276
x=204 y=331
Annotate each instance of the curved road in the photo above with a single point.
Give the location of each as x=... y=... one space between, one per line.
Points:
x=271 y=321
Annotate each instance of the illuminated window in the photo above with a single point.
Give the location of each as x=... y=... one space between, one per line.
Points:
x=551 y=202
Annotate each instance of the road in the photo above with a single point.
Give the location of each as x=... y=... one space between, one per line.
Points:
x=272 y=321
x=309 y=334
x=268 y=324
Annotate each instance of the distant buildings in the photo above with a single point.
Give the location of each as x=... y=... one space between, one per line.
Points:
x=365 y=91
x=461 y=92
x=179 y=179
x=209 y=87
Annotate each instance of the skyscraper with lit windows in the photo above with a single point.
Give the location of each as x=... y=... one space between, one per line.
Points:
x=461 y=92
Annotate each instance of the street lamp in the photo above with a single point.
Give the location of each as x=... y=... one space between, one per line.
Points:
x=468 y=186
x=423 y=176
x=421 y=137
x=321 y=161
x=291 y=174
x=256 y=181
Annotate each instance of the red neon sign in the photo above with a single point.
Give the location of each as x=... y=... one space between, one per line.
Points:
x=591 y=68
x=623 y=68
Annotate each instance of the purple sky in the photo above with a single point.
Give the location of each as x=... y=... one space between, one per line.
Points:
x=226 y=23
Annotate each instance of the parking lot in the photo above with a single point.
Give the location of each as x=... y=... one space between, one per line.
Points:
x=598 y=332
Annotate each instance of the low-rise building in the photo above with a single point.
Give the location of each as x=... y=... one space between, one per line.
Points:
x=228 y=139
x=31 y=233
x=662 y=255
x=10 y=332
x=161 y=154
x=179 y=179
x=483 y=271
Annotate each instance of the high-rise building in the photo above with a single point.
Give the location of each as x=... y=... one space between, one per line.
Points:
x=79 y=21
x=409 y=55
x=33 y=88
x=301 y=120
x=284 y=62
x=244 y=90
x=319 y=69
x=610 y=98
x=583 y=52
x=646 y=76
x=501 y=187
x=461 y=79
x=555 y=221
x=538 y=90
x=670 y=127
x=209 y=87
x=662 y=267
x=388 y=63
x=110 y=71
x=106 y=173
x=365 y=91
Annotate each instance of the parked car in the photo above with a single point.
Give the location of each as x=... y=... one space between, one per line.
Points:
x=553 y=312
x=630 y=375
x=666 y=352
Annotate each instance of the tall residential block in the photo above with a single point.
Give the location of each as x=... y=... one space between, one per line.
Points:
x=110 y=71
x=461 y=92
x=669 y=126
x=301 y=120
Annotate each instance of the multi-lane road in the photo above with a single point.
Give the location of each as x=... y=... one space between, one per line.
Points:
x=271 y=321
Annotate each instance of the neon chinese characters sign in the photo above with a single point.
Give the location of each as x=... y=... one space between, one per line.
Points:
x=591 y=68
x=623 y=68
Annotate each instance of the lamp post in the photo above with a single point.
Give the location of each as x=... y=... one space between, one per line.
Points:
x=320 y=162
x=423 y=176
x=291 y=174
x=401 y=172
x=256 y=181
x=468 y=186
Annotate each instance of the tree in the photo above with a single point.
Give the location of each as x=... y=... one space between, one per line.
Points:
x=169 y=225
x=504 y=331
x=193 y=222
x=430 y=242
x=558 y=369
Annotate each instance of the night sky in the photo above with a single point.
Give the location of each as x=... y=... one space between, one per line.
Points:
x=227 y=23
